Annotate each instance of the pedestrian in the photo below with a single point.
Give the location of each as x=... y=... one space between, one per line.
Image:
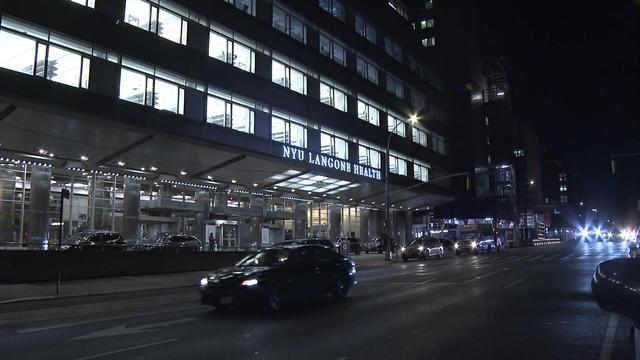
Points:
x=212 y=242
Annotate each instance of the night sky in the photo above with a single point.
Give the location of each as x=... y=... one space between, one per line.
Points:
x=574 y=75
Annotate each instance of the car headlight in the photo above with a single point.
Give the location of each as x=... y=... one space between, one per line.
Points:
x=250 y=282
x=402 y=248
x=204 y=281
x=473 y=244
x=420 y=248
x=456 y=245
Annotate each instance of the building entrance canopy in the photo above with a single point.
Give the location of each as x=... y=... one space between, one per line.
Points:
x=70 y=142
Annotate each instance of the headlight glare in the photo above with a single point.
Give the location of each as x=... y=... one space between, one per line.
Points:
x=204 y=282
x=420 y=248
x=402 y=248
x=250 y=282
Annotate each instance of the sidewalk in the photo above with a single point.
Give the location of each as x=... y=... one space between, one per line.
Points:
x=102 y=286
x=11 y=293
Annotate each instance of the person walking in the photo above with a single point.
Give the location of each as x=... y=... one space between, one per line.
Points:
x=212 y=242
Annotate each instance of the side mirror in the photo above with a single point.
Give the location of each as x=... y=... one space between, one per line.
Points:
x=616 y=287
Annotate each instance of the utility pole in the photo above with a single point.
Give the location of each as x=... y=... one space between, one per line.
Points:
x=64 y=194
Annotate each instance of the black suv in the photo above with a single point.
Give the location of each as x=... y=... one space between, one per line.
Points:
x=99 y=240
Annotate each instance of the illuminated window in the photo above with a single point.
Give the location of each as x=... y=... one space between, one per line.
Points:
x=289 y=24
x=145 y=85
x=288 y=132
x=395 y=125
x=289 y=77
x=163 y=21
x=394 y=86
x=438 y=144
x=247 y=6
x=334 y=145
x=419 y=136
x=365 y=29
x=368 y=156
x=421 y=171
x=232 y=52
x=368 y=112
x=563 y=188
x=332 y=96
x=87 y=3
x=367 y=70
x=229 y=111
x=397 y=164
x=563 y=199
x=429 y=42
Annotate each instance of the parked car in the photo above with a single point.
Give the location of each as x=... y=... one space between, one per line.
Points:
x=98 y=240
x=354 y=245
x=422 y=248
x=177 y=243
x=466 y=243
x=278 y=277
x=476 y=242
x=313 y=241
x=614 y=285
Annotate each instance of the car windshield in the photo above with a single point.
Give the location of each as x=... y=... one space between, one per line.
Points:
x=417 y=242
x=270 y=257
x=468 y=236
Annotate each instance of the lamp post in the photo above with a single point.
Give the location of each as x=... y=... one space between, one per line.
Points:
x=387 y=253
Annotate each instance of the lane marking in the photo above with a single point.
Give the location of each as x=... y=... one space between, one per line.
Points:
x=128 y=349
x=78 y=323
x=27 y=299
x=536 y=258
x=510 y=285
x=607 y=344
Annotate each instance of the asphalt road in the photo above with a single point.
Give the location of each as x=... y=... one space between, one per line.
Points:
x=526 y=303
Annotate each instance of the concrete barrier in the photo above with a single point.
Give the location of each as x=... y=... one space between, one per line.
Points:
x=35 y=266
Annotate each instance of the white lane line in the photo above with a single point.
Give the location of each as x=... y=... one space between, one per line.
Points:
x=607 y=345
x=536 y=258
x=510 y=285
x=61 y=326
x=27 y=299
x=127 y=349
x=566 y=257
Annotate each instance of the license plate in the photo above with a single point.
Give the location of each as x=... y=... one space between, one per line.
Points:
x=226 y=300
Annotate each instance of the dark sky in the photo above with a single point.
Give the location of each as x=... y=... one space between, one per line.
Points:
x=574 y=73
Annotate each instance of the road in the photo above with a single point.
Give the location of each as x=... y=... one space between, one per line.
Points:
x=525 y=303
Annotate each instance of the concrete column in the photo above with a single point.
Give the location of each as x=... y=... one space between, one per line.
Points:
x=335 y=221
x=220 y=199
x=7 y=189
x=408 y=226
x=39 y=205
x=375 y=223
x=131 y=211
x=202 y=200
x=364 y=225
x=300 y=222
x=103 y=206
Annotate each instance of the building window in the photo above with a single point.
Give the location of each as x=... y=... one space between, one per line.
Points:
x=58 y=58
x=248 y=6
x=397 y=164
x=429 y=42
x=333 y=49
x=419 y=136
x=365 y=29
x=564 y=199
x=438 y=144
x=231 y=112
x=289 y=24
x=399 y=7
x=288 y=77
x=333 y=145
x=231 y=52
x=288 y=132
x=141 y=84
x=87 y=3
x=563 y=187
x=368 y=156
x=368 y=113
x=430 y=23
x=518 y=153
x=393 y=49
x=417 y=100
x=367 y=70
x=332 y=96
x=563 y=177
x=395 y=125
x=428 y=5
x=394 y=86
x=333 y=7
x=421 y=171
x=159 y=20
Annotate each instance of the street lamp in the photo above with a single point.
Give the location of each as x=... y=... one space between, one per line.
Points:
x=387 y=253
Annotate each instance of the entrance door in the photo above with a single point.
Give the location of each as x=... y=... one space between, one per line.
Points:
x=229 y=235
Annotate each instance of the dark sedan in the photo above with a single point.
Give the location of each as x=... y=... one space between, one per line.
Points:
x=278 y=277
x=99 y=240
x=177 y=243
x=313 y=241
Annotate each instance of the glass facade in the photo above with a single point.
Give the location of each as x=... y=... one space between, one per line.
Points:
x=288 y=132
x=231 y=52
x=395 y=125
x=333 y=97
x=334 y=145
x=289 y=24
x=289 y=77
x=159 y=20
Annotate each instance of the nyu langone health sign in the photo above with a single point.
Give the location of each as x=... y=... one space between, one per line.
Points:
x=330 y=162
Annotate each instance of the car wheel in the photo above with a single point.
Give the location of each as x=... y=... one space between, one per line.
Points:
x=439 y=256
x=274 y=300
x=341 y=289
